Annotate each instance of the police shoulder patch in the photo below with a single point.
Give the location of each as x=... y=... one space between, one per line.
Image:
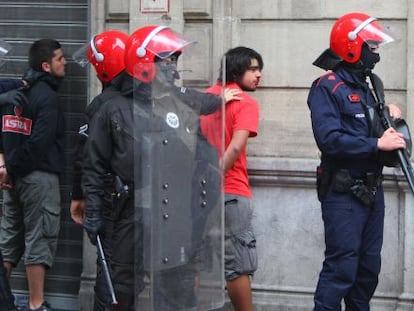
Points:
x=354 y=98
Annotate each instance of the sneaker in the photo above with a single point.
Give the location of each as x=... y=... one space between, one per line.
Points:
x=44 y=307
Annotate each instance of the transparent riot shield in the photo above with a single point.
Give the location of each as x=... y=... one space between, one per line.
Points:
x=179 y=227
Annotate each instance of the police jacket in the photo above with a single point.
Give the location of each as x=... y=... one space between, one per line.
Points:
x=32 y=137
x=344 y=122
x=110 y=144
x=109 y=91
x=109 y=147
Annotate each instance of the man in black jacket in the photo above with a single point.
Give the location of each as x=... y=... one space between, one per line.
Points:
x=32 y=142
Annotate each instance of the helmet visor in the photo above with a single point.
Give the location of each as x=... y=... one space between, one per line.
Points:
x=80 y=55
x=373 y=34
x=163 y=42
x=5 y=48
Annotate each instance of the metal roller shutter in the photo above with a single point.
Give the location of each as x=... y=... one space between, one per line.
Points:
x=21 y=23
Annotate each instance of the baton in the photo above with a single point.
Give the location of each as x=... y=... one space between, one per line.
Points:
x=105 y=269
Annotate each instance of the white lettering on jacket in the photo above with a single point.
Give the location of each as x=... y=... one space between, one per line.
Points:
x=17 y=124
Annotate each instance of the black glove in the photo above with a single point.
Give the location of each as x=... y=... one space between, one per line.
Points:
x=93 y=222
x=14 y=97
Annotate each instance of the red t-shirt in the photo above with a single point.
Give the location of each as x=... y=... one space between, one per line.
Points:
x=240 y=115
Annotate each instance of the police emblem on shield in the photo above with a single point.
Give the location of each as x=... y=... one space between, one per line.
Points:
x=172 y=120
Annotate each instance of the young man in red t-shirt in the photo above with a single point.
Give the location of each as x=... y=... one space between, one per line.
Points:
x=243 y=67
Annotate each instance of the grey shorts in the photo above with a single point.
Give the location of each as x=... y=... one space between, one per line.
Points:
x=31 y=219
x=240 y=243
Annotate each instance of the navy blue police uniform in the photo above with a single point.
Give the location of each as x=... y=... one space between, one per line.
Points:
x=345 y=127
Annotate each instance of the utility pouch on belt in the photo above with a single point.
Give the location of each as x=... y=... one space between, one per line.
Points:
x=362 y=193
x=121 y=189
x=343 y=182
x=323 y=180
x=123 y=193
x=372 y=181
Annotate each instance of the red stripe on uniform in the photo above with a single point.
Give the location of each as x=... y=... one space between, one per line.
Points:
x=337 y=85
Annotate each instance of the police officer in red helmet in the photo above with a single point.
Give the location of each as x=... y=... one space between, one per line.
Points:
x=114 y=144
x=347 y=130
x=105 y=52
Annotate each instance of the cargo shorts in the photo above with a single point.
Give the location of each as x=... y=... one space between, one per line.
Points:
x=240 y=243
x=31 y=219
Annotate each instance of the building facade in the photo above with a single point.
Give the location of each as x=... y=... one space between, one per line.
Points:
x=290 y=35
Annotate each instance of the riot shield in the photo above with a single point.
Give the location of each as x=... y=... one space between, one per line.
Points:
x=178 y=192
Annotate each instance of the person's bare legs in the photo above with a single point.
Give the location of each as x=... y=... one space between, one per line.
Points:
x=36 y=280
x=240 y=293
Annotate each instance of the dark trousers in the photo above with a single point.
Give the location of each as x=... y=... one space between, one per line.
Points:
x=353 y=238
x=123 y=241
x=6 y=297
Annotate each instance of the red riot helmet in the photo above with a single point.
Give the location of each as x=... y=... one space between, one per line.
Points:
x=106 y=53
x=351 y=31
x=147 y=44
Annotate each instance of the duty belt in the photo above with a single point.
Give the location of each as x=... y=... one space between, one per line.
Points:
x=363 y=188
